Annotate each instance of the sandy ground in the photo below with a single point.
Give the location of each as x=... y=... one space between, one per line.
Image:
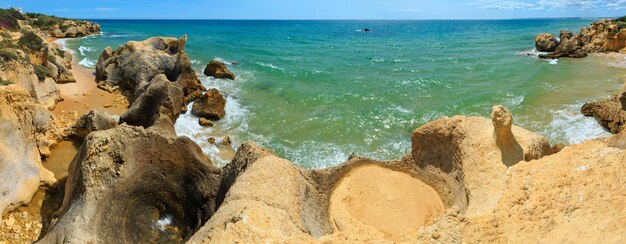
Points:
x=389 y=201
x=84 y=95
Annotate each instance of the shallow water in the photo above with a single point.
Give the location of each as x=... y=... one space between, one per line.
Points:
x=316 y=91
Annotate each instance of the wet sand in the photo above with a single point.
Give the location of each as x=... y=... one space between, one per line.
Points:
x=392 y=202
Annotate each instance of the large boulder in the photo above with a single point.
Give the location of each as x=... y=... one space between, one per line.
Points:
x=136 y=63
x=23 y=126
x=546 y=42
x=157 y=98
x=571 y=46
x=130 y=185
x=609 y=113
x=219 y=70
x=210 y=105
x=92 y=121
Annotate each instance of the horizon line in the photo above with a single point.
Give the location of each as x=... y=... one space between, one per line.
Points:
x=346 y=19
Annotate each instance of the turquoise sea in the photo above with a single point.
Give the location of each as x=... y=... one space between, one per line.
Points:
x=317 y=91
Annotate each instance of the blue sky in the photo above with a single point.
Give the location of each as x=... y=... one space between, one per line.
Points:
x=322 y=9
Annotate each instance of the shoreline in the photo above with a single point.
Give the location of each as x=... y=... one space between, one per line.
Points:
x=84 y=94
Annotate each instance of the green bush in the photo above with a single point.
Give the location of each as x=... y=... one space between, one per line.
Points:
x=5 y=82
x=46 y=22
x=31 y=41
x=9 y=17
x=61 y=53
x=6 y=55
x=51 y=58
x=42 y=72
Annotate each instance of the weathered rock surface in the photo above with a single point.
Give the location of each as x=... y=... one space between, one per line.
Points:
x=461 y=160
x=44 y=92
x=156 y=98
x=23 y=126
x=457 y=157
x=136 y=63
x=93 y=121
x=601 y=36
x=219 y=70
x=131 y=184
x=74 y=28
x=609 y=113
x=546 y=42
x=210 y=105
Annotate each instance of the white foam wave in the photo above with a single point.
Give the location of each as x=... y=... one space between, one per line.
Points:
x=223 y=61
x=531 y=53
x=570 y=126
x=196 y=61
x=554 y=61
x=83 y=49
x=62 y=44
x=86 y=62
x=271 y=66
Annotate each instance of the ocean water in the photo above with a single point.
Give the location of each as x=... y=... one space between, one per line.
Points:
x=315 y=92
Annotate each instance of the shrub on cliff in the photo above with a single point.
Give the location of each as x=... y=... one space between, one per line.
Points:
x=42 y=72
x=9 y=18
x=5 y=82
x=44 y=21
x=7 y=55
x=31 y=41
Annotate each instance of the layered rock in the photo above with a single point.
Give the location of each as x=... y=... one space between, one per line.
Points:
x=24 y=127
x=157 y=98
x=130 y=184
x=546 y=42
x=218 y=70
x=211 y=105
x=601 y=36
x=44 y=92
x=456 y=160
x=136 y=63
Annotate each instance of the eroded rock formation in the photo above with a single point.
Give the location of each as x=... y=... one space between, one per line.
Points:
x=609 y=113
x=601 y=36
x=454 y=159
x=156 y=98
x=211 y=105
x=219 y=70
x=136 y=63
x=24 y=127
x=92 y=121
x=130 y=184
x=546 y=42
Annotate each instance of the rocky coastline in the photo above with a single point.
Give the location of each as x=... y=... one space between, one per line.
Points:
x=465 y=180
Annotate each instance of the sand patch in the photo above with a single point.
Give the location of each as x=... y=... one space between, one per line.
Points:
x=388 y=201
x=84 y=95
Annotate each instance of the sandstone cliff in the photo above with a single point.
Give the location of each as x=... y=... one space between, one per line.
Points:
x=601 y=36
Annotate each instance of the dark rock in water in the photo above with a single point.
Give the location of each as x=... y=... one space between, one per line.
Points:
x=219 y=70
x=608 y=113
x=134 y=185
x=210 y=105
x=93 y=121
x=546 y=42
x=366 y=30
x=155 y=98
x=136 y=63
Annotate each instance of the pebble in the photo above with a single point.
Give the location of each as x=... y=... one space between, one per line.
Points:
x=436 y=235
x=10 y=221
x=28 y=226
x=24 y=215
